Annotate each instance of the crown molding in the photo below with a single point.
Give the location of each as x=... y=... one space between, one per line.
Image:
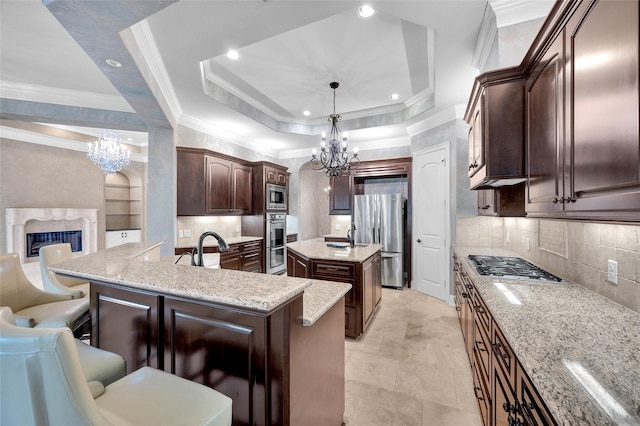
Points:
x=375 y=145
x=486 y=37
x=453 y=113
x=215 y=131
x=146 y=43
x=511 y=12
x=54 y=95
x=22 y=135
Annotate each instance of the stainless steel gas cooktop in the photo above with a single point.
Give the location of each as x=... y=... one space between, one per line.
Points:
x=510 y=267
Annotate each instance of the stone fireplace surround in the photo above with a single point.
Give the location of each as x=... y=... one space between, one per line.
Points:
x=19 y=221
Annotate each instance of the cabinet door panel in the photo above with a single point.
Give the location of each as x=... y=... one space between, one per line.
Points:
x=544 y=128
x=605 y=151
x=135 y=312
x=191 y=178
x=476 y=139
x=341 y=195
x=218 y=193
x=242 y=194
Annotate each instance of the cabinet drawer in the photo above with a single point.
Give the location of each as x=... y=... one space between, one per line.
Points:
x=482 y=313
x=350 y=321
x=503 y=355
x=254 y=245
x=330 y=270
x=481 y=346
x=481 y=392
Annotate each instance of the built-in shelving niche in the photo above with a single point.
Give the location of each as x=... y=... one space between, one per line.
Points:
x=123 y=203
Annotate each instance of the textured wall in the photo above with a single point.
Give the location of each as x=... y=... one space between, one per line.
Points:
x=42 y=176
x=588 y=247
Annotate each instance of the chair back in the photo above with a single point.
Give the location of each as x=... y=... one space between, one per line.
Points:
x=16 y=291
x=51 y=255
x=42 y=379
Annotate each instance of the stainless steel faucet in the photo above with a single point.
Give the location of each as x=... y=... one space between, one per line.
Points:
x=350 y=234
x=222 y=246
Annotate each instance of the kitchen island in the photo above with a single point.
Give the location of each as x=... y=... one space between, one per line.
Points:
x=274 y=344
x=359 y=266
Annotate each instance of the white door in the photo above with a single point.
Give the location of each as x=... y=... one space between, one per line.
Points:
x=431 y=222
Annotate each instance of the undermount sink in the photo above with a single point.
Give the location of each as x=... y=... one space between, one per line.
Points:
x=362 y=245
x=211 y=260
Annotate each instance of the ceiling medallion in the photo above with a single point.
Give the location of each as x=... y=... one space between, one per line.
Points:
x=334 y=159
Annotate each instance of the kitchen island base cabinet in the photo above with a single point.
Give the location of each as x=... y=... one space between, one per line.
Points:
x=275 y=370
x=362 y=301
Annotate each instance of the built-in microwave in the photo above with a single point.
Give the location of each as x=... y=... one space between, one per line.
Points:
x=276 y=197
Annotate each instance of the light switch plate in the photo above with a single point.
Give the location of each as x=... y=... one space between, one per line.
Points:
x=180 y=233
x=187 y=233
x=612 y=271
x=337 y=226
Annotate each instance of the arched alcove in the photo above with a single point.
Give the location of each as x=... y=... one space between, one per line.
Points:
x=313 y=204
x=123 y=201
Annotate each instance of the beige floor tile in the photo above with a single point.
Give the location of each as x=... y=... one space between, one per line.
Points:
x=410 y=367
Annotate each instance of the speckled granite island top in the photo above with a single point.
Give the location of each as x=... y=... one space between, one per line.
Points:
x=580 y=349
x=315 y=249
x=126 y=265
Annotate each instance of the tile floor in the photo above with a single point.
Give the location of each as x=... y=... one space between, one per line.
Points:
x=410 y=367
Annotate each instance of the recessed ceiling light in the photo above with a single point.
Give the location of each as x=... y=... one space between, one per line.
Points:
x=366 y=11
x=307 y=113
x=394 y=96
x=233 y=54
x=114 y=63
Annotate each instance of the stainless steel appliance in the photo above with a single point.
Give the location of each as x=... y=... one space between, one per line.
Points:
x=276 y=240
x=511 y=268
x=379 y=219
x=276 y=197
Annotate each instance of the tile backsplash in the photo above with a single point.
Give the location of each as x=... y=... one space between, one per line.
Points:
x=225 y=226
x=577 y=251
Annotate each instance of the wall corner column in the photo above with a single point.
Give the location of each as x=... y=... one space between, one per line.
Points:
x=161 y=189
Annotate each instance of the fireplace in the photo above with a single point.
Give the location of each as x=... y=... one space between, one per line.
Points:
x=28 y=229
x=36 y=240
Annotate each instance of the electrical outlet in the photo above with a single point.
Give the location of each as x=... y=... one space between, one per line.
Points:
x=612 y=271
x=237 y=228
x=337 y=226
x=508 y=239
x=180 y=233
x=528 y=243
x=187 y=233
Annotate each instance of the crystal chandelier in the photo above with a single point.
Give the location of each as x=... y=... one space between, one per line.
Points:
x=108 y=152
x=334 y=159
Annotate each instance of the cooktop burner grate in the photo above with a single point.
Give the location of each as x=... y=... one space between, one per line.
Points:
x=510 y=267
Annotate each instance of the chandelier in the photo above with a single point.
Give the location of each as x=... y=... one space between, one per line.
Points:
x=334 y=159
x=108 y=152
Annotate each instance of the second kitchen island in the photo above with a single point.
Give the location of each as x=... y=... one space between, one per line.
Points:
x=359 y=266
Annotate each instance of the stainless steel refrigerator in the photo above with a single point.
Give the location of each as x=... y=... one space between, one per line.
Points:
x=379 y=219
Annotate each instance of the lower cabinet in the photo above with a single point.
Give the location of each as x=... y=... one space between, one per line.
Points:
x=505 y=395
x=116 y=238
x=246 y=256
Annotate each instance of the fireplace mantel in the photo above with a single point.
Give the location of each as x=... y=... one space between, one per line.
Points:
x=17 y=218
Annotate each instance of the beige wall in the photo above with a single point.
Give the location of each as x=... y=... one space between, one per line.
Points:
x=577 y=251
x=34 y=175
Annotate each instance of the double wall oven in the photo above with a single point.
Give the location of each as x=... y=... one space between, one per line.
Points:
x=276 y=240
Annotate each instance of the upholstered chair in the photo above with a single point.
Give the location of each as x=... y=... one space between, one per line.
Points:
x=33 y=307
x=58 y=253
x=97 y=365
x=43 y=383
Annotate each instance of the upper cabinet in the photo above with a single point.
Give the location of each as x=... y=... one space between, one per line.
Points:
x=582 y=113
x=210 y=183
x=495 y=114
x=341 y=195
x=227 y=187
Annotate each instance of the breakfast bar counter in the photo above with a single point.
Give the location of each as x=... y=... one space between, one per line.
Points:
x=274 y=344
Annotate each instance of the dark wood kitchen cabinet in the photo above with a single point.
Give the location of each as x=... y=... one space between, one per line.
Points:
x=506 y=201
x=362 y=301
x=504 y=393
x=495 y=114
x=247 y=256
x=276 y=176
x=228 y=187
x=209 y=183
x=583 y=115
x=341 y=195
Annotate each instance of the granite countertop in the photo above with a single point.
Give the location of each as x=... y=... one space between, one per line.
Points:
x=569 y=339
x=212 y=242
x=132 y=265
x=314 y=249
